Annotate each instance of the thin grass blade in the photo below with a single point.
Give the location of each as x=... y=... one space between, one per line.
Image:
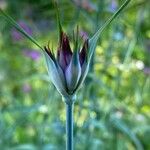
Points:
x=19 y=28
x=94 y=39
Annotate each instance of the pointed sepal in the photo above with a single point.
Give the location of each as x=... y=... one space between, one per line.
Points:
x=73 y=72
x=56 y=75
x=84 y=52
x=84 y=72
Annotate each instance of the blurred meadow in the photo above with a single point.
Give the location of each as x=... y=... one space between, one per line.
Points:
x=112 y=111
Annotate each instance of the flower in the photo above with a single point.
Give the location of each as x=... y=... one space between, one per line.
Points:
x=17 y=36
x=146 y=70
x=86 y=4
x=26 y=88
x=113 y=6
x=84 y=35
x=33 y=54
x=68 y=69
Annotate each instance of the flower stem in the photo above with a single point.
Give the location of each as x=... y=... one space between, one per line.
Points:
x=69 y=126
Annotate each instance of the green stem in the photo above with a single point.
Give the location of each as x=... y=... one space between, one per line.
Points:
x=69 y=126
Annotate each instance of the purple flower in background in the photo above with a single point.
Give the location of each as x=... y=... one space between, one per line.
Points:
x=16 y=35
x=44 y=24
x=84 y=35
x=26 y=88
x=33 y=54
x=147 y=45
x=146 y=70
x=86 y=4
x=113 y=6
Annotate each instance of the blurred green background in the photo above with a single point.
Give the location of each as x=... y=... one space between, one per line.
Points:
x=112 y=111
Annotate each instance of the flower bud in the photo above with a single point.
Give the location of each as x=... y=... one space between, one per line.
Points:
x=69 y=69
x=73 y=72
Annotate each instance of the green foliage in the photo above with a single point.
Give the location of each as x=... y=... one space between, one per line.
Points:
x=112 y=108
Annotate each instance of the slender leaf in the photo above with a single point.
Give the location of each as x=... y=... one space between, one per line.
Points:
x=19 y=28
x=93 y=42
x=94 y=39
x=120 y=125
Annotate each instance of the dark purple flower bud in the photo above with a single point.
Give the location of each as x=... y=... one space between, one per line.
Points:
x=68 y=63
x=64 y=52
